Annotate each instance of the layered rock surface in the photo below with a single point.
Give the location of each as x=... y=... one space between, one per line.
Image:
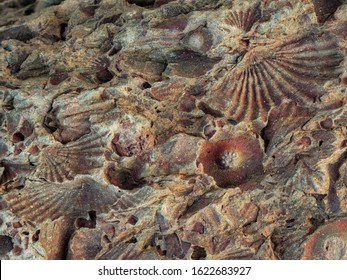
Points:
x=173 y=129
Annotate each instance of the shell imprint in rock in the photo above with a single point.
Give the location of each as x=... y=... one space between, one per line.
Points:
x=328 y=242
x=59 y=162
x=268 y=75
x=72 y=115
x=245 y=19
x=39 y=201
x=232 y=161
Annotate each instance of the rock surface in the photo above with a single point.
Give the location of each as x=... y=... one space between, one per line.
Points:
x=173 y=129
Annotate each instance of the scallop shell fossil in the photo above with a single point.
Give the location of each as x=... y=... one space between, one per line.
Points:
x=268 y=75
x=39 y=201
x=72 y=116
x=58 y=162
x=244 y=19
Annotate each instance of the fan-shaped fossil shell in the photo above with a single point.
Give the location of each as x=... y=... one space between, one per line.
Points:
x=39 y=201
x=245 y=18
x=58 y=162
x=98 y=71
x=268 y=75
x=128 y=201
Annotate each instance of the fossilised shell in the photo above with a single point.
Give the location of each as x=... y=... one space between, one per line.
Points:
x=39 y=201
x=176 y=156
x=281 y=121
x=6 y=100
x=6 y=244
x=149 y=66
x=14 y=174
x=328 y=242
x=232 y=161
x=141 y=3
x=21 y=33
x=268 y=75
x=98 y=71
x=71 y=115
x=133 y=134
x=58 y=162
x=178 y=23
x=85 y=244
x=245 y=18
x=131 y=201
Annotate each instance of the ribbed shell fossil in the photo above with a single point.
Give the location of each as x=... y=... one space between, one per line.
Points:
x=268 y=75
x=39 y=201
x=245 y=18
x=59 y=162
x=98 y=71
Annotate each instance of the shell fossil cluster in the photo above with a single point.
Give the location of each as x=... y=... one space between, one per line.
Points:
x=169 y=129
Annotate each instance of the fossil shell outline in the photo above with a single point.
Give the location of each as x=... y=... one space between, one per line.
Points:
x=285 y=70
x=328 y=242
x=59 y=162
x=39 y=201
x=245 y=18
x=69 y=122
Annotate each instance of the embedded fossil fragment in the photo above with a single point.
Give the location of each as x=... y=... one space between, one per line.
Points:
x=325 y=8
x=18 y=127
x=14 y=174
x=85 y=244
x=6 y=244
x=132 y=135
x=59 y=162
x=98 y=71
x=232 y=161
x=72 y=115
x=246 y=17
x=39 y=201
x=281 y=121
x=57 y=232
x=177 y=155
x=328 y=242
x=21 y=32
x=189 y=64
